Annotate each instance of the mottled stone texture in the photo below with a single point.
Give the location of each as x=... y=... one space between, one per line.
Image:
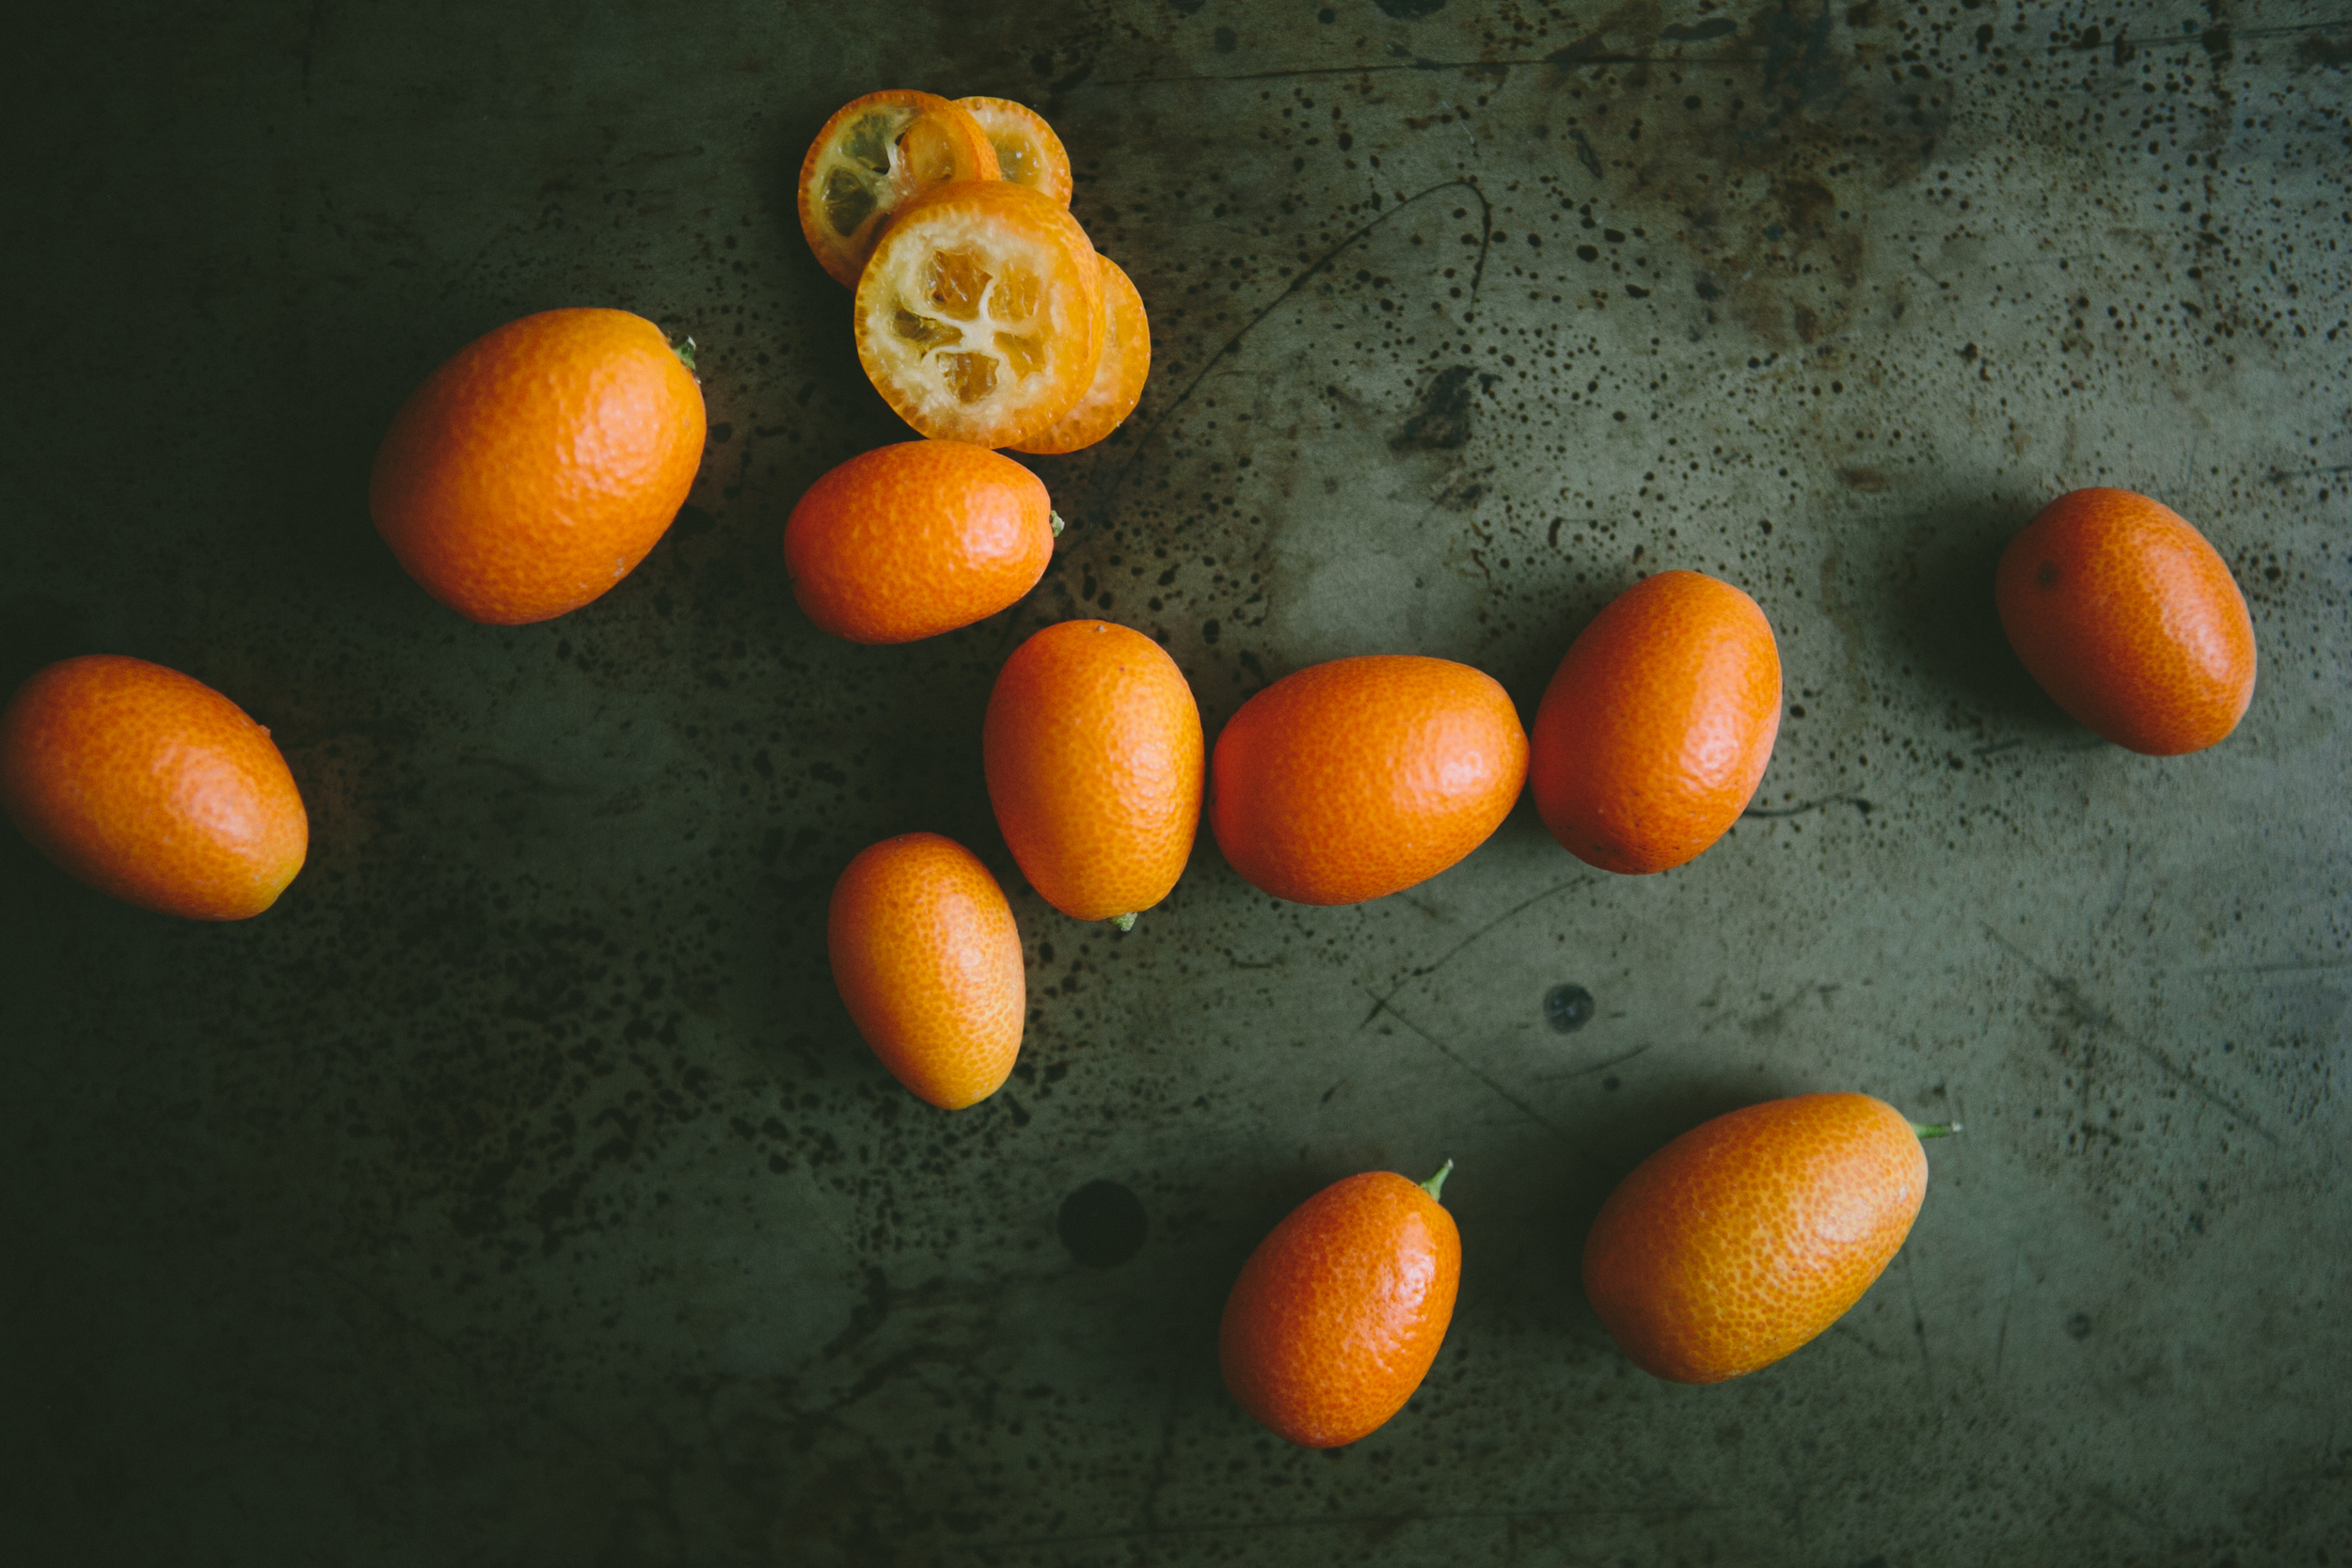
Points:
x=517 y=1192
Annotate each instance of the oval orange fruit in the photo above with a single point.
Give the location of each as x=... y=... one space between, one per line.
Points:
x=979 y=317
x=1118 y=376
x=876 y=154
x=1092 y=747
x=927 y=960
x=1027 y=152
x=152 y=787
x=2130 y=620
x=1750 y=1234
x=1359 y=778
x=1657 y=727
x=535 y=469
x=1340 y=1311
x=915 y=539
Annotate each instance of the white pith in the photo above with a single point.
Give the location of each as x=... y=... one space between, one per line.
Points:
x=902 y=264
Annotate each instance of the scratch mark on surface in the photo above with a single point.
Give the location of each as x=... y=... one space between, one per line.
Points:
x=1918 y=1321
x=1321 y=265
x=1599 y=1067
x=1473 y=1070
x=1503 y=919
x=2087 y=1013
x=1854 y=800
x=2008 y=1297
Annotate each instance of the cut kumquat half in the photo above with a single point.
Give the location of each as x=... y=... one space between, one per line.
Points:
x=1118 y=376
x=1027 y=152
x=979 y=317
x=873 y=156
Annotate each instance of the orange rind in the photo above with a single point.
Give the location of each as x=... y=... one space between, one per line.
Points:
x=876 y=154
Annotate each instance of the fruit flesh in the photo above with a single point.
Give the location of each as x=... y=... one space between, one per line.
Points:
x=876 y=154
x=979 y=314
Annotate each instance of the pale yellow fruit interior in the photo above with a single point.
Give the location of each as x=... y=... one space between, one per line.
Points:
x=967 y=307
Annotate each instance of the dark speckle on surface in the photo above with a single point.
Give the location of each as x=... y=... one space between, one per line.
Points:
x=1567 y=1008
x=1102 y=1223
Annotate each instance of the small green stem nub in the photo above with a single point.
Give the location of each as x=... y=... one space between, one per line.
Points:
x=684 y=349
x=1125 y=922
x=1057 y=523
x=1438 y=1182
x=1934 y=1130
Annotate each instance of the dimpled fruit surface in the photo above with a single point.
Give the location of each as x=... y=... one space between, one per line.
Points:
x=150 y=786
x=1752 y=1233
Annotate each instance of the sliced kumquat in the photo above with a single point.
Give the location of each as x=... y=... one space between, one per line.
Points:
x=980 y=316
x=873 y=156
x=1027 y=152
x=1119 y=377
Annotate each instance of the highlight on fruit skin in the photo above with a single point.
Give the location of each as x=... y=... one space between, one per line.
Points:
x=1339 y=1312
x=153 y=787
x=1746 y=1237
x=538 y=465
x=917 y=538
x=1656 y=729
x=928 y=960
x=877 y=153
x=2130 y=620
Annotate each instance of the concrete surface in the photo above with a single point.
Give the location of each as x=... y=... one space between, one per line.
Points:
x=516 y=1191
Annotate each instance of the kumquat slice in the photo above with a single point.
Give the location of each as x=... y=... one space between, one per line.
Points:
x=873 y=156
x=1118 y=380
x=1027 y=152
x=979 y=317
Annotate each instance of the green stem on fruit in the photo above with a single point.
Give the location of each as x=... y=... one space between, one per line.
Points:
x=684 y=349
x=1435 y=1183
x=1125 y=922
x=1057 y=523
x=1934 y=1130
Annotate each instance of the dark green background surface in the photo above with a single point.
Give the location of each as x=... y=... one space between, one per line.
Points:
x=516 y=1191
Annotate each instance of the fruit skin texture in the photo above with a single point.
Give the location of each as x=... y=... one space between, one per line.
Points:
x=1337 y=1315
x=535 y=469
x=918 y=538
x=1359 y=778
x=1750 y=1234
x=2130 y=620
x=152 y=787
x=1657 y=727
x=1093 y=750
x=927 y=960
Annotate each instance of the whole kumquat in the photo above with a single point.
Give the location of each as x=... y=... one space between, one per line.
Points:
x=1340 y=1311
x=152 y=787
x=2130 y=620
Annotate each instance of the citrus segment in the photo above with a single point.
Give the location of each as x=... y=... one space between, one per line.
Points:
x=980 y=315
x=1119 y=378
x=153 y=787
x=1027 y=152
x=927 y=960
x=873 y=156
